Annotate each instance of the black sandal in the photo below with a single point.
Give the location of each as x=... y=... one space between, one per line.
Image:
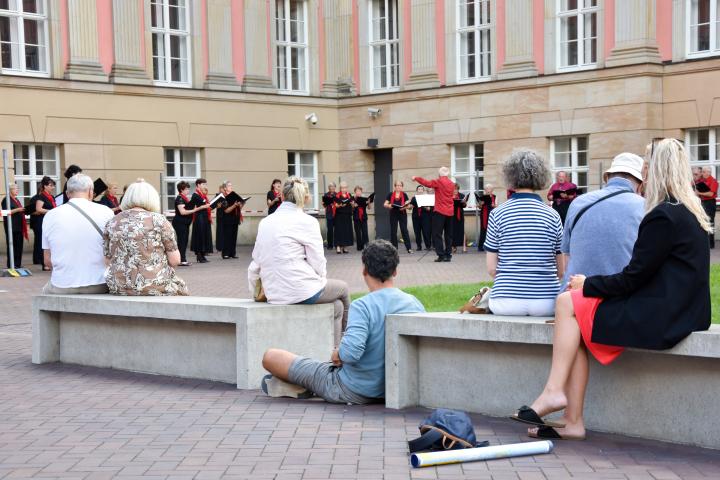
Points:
x=529 y=416
x=549 y=433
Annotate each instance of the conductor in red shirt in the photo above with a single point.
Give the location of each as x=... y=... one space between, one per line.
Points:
x=707 y=199
x=443 y=214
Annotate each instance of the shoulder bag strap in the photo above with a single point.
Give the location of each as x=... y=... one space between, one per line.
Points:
x=86 y=216
x=588 y=207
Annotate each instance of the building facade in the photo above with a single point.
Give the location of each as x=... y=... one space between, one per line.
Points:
x=224 y=89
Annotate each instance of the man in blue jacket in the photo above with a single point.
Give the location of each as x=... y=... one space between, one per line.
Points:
x=356 y=371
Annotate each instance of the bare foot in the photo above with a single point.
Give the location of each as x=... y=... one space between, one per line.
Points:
x=572 y=431
x=549 y=402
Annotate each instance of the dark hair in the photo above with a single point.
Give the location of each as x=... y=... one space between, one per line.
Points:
x=72 y=170
x=380 y=259
x=182 y=186
x=277 y=180
x=199 y=181
x=46 y=181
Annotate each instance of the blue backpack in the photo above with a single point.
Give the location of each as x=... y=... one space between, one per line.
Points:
x=445 y=430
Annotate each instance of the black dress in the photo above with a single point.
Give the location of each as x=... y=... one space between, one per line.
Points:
x=18 y=220
x=487 y=202
x=201 y=242
x=663 y=294
x=458 y=221
x=220 y=207
x=36 y=222
x=271 y=196
x=398 y=218
x=109 y=202
x=230 y=224
x=181 y=224
x=328 y=201
x=343 y=221
x=360 y=221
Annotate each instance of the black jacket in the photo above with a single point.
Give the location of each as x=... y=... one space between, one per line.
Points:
x=663 y=294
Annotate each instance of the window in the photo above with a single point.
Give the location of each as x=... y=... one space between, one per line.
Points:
x=577 y=22
x=384 y=45
x=473 y=40
x=467 y=167
x=291 y=45
x=703 y=28
x=170 y=42
x=304 y=165
x=570 y=155
x=32 y=163
x=24 y=37
x=180 y=164
x=704 y=147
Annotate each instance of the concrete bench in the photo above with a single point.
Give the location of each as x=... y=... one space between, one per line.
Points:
x=493 y=365
x=194 y=337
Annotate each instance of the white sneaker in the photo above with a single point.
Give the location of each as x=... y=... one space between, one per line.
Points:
x=274 y=387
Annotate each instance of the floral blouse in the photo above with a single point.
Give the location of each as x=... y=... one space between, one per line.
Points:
x=136 y=242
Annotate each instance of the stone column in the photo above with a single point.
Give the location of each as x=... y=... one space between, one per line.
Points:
x=257 y=56
x=519 y=60
x=635 y=40
x=128 y=28
x=338 y=81
x=220 y=45
x=84 y=52
x=424 y=72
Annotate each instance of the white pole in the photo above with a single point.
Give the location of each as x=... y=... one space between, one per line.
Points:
x=8 y=219
x=494 y=452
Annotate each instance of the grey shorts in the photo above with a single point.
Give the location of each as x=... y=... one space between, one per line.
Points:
x=323 y=380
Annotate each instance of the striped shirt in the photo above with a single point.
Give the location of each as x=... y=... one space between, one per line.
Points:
x=526 y=234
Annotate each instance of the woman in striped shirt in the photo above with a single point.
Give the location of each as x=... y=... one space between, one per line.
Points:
x=523 y=242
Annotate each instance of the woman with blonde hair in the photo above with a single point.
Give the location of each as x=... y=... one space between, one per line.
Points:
x=289 y=260
x=141 y=248
x=657 y=300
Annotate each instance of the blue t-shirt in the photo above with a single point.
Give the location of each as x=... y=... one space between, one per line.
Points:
x=602 y=241
x=526 y=234
x=362 y=349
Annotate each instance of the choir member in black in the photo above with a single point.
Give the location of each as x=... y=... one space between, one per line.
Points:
x=328 y=201
x=343 y=219
x=421 y=220
x=184 y=211
x=486 y=204
x=398 y=203
x=220 y=210
x=109 y=198
x=361 y=205
x=201 y=240
x=41 y=203
x=273 y=196
x=19 y=225
x=69 y=172
x=458 y=220
x=230 y=214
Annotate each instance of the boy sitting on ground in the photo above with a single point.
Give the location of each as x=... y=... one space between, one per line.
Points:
x=356 y=371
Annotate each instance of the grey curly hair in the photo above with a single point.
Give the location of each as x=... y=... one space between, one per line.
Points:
x=526 y=169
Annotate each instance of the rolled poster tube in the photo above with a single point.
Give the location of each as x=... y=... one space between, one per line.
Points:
x=429 y=459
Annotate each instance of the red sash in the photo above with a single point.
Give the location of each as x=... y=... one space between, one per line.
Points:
x=185 y=199
x=361 y=212
x=113 y=200
x=17 y=203
x=332 y=203
x=398 y=198
x=49 y=198
x=341 y=196
x=204 y=197
x=458 y=213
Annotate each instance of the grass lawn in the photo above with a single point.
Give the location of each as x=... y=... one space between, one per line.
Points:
x=451 y=296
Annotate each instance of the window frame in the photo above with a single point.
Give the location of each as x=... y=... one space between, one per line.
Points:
x=481 y=29
x=713 y=145
x=388 y=43
x=175 y=179
x=714 y=27
x=475 y=174
x=33 y=178
x=167 y=32
x=312 y=182
x=579 y=12
x=574 y=169
x=19 y=16
x=288 y=46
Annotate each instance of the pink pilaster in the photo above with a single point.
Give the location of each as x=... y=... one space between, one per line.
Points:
x=321 y=39
x=407 y=38
x=609 y=26
x=539 y=35
x=440 y=39
x=204 y=33
x=356 y=43
x=663 y=28
x=105 y=34
x=500 y=34
x=237 y=12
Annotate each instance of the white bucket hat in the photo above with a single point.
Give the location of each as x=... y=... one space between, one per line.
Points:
x=627 y=163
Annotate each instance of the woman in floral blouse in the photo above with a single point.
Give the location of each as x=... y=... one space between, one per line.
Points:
x=141 y=248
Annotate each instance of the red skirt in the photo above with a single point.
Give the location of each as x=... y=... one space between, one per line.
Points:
x=585 y=308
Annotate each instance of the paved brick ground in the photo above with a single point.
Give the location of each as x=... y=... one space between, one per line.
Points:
x=60 y=421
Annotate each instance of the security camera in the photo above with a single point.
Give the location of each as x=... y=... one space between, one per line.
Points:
x=312 y=118
x=374 y=112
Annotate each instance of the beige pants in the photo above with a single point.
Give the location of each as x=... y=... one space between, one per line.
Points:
x=337 y=293
x=50 y=289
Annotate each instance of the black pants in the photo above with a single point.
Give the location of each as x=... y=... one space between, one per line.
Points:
x=37 y=245
x=399 y=218
x=361 y=233
x=330 y=224
x=417 y=223
x=17 y=238
x=442 y=226
x=710 y=208
x=183 y=235
x=229 y=241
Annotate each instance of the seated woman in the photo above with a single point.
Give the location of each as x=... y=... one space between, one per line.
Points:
x=523 y=242
x=140 y=247
x=658 y=299
x=289 y=259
